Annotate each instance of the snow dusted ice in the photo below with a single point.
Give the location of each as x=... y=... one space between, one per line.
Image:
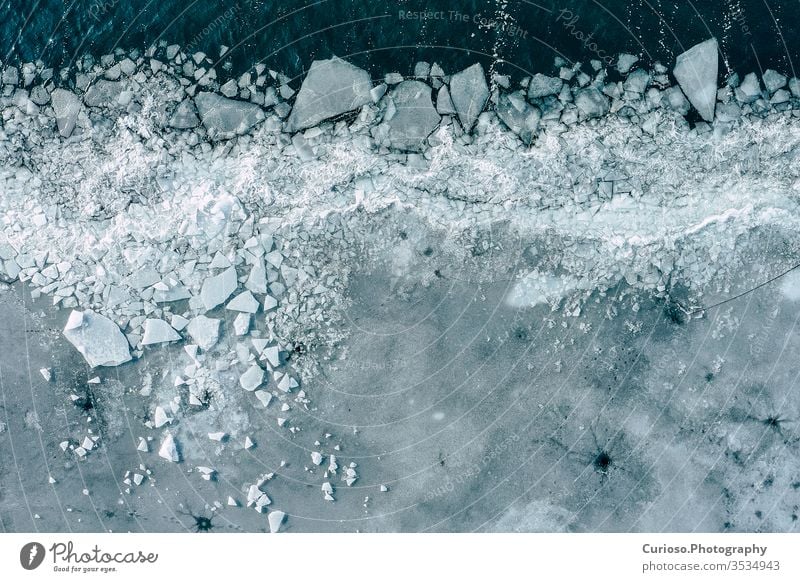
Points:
x=217 y=227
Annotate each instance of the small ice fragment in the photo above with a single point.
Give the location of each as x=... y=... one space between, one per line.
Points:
x=275 y=520
x=178 y=322
x=241 y=324
x=252 y=378
x=160 y=417
x=158 y=331
x=287 y=383
x=244 y=302
x=264 y=397
x=169 y=449
x=272 y=355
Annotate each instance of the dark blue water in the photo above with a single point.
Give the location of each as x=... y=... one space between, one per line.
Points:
x=382 y=36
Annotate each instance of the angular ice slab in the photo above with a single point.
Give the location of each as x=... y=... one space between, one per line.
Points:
x=97 y=338
x=415 y=118
x=158 y=331
x=469 y=93
x=184 y=116
x=217 y=289
x=331 y=87
x=227 y=117
x=204 y=331
x=696 y=71
x=66 y=106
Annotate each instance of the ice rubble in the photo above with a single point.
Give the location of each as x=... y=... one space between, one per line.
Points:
x=199 y=227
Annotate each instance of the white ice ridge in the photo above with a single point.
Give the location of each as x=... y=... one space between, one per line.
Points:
x=139 y=196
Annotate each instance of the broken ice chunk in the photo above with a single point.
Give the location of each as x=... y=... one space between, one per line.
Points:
x=270 y=303
x=169 y=449
x=696 y=71
x=287 y=383
x=97 y=338
x=166 y=294
x=74 y=321
x=220 y=261
x=178 y=322
x=264 y=397
x=158 y=331
x=252 y=378
x=206 y=472
x=184 y=116
x=520 y=117
x=415 y=117
x=217 y=436
x=244 y=302
x=275 y=520
x=160 y=417
x=241 y=324
x=66 y=106
x=469 y=93
x=217 y=289
x=273 y=355
x=103 y=93
x=625 y=62
x=46 y=374
x=331 y=87
x=224 y=117
x=542 y=86
x=257 y=280
x=316 y=458
x=591 y=102
x=204 y=331
x=275 y=258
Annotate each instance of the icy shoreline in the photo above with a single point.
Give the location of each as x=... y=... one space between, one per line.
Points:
x=233 y=221
x=143 y=176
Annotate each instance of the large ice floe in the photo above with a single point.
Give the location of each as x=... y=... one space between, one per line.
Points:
x=155 y=201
